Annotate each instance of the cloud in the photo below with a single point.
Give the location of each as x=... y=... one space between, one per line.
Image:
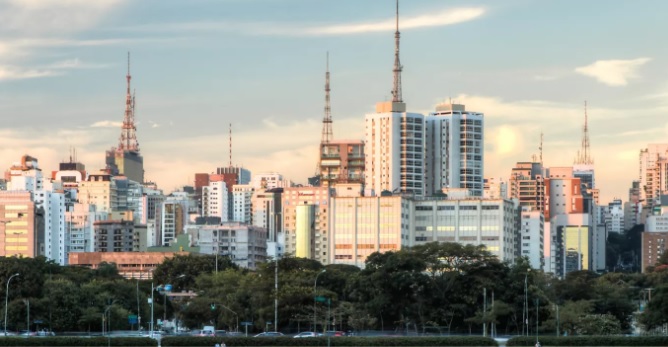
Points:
x=434 y=19
x=53 y=17
x=75 y=63
x=441 y=18
x=613 y=72
x=19 y=73
x=106 y=124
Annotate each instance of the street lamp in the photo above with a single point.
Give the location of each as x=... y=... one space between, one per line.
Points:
x=525 y=309
x=7 y=298
x=315 y=287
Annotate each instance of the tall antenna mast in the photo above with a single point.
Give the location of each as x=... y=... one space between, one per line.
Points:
x=128 y=138
x=327 y=119
x=584 y=155
x=230 y=144
x=540 y=148
x=396 y=89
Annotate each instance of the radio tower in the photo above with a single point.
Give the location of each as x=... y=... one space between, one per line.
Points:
x=396 y=89
x=128 y=139
x=584 y=156
x=327 y=119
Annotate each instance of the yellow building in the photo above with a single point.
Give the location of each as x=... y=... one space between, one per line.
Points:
x=17 y=224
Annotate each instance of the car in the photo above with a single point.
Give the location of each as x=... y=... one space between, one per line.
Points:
x=335 y=333
x=306 y=334
x=269 y=334
x=220 y=333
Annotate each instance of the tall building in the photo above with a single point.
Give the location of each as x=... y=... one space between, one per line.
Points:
x=25 y=175
x=653 y=174
x=341 y=161
x=614 y=217
x=360 y=226
x=633 y=208
x=215 y=201
x=17 y=224
x=454 y=149
x=126 y=159
x=394 y=141
x=527 y=184
x=99 y=190
x=495 y=188
x=242 y=196
x=267 y=212
x=305 y=222
x=563 y=192
x=269 y=180
x=532 y=226
x=231 y=175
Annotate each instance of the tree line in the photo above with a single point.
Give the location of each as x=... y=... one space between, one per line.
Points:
x=436 y=288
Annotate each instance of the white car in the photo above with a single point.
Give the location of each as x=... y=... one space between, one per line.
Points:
x=307 y=334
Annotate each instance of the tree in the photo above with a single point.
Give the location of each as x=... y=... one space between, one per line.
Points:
x=598 y=324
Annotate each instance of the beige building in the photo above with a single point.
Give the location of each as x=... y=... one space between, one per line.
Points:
x=360 y=226
x=99 y=190
x=17 y=224
x=131 y=265
x=305 y=222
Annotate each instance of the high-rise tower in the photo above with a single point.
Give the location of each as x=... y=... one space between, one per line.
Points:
x=584 y=154
x=394 y=141
x=126 y=159
x=327 y=119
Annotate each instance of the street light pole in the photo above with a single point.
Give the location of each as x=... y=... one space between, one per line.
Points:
x=525 y=309
x=276 y=292
x=315 y=293
x=7 y=299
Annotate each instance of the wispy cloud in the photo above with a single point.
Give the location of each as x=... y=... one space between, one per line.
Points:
x=53 y=17
x=441 y=18
x=613 y=72
x=19 y=73
x=106 y=124
x=434 y=19
x=76 y=63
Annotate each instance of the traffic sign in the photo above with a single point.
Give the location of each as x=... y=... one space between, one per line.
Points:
x=246 y=323
x=320 y=299
x=132 y=319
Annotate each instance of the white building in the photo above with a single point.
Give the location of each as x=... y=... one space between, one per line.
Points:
x=53 y=239
x=394 y=150
x=215 y=200
x=267 y=213
x=242 y=195
x=495 y=188
x=269 y=180
x=79 y=221
x=571 y=244
x=614 y=217
x=454 y=149
x=245 y=245
x=473 y=221
x=531 y=235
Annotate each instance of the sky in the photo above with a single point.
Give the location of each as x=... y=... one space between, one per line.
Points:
x=200 y=65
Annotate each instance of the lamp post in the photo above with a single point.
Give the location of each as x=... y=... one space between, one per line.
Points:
x=315 y=294
x=525 y=309
x=7 y=298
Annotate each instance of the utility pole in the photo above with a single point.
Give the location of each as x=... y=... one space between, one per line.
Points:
x=484 y=312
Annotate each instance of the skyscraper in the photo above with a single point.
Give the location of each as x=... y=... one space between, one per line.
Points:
x=394 y=141
x=454 y=149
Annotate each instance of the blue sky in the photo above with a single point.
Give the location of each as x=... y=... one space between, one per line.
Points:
x=199 y=65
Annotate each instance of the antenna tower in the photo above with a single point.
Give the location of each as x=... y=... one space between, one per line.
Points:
x=396 y=89
x=584 y=154
x=540 y=148
x=128 y=138
x=327 y=120
x=230 y=144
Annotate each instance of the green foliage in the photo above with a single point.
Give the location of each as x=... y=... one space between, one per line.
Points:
x=598 y=324
x=335 y=341
x=77 y=341
x=590 y=341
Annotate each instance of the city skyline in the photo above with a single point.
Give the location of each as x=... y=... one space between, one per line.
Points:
x=260 y=65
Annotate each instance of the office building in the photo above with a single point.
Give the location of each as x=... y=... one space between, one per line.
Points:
x=17 y=224
x=305 y=222
x=454 y=149
x=245 y=245
x=527 y=185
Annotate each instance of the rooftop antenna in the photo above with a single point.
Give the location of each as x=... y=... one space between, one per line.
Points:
x=396 y=89
x=584 y=155
x=327 y=120
x=540 y=147
x=128 y=138
x=230 y=144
